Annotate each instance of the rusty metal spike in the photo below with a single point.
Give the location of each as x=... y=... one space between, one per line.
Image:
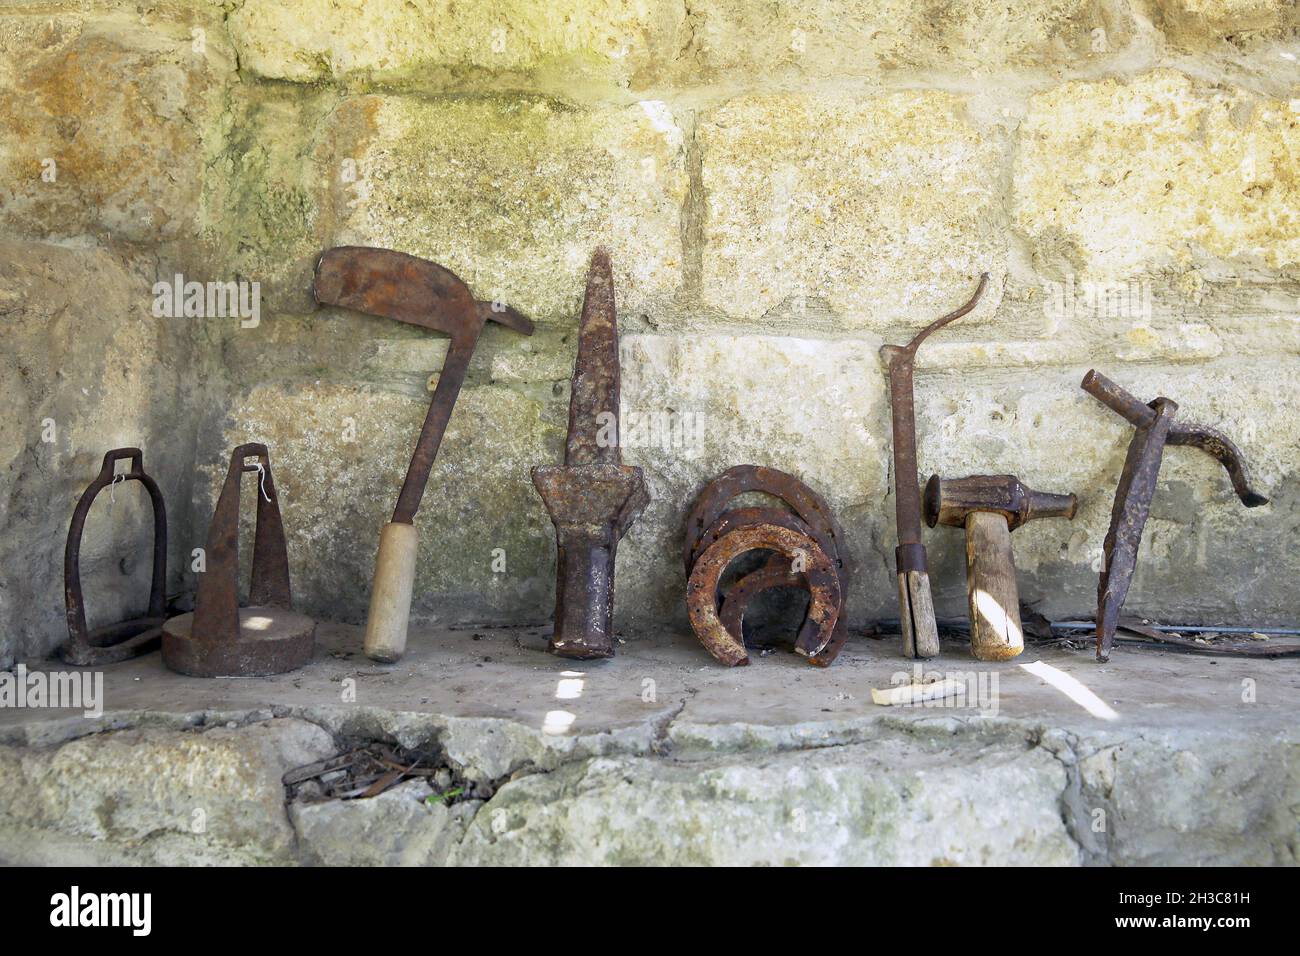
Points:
x=592 y=498
x=593 y=404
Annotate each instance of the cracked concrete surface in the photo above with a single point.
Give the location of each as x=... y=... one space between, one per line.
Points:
x=661 y=756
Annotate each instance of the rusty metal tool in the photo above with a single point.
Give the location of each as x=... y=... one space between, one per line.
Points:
x=915 y=604
x=989 y=508
x=126 y=639
x=806 y=545
x=219 y=638
x=593 y=498
x=398 y=286
x=1155 y=428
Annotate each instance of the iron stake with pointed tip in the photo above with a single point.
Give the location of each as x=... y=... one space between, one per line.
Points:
x=593 y=498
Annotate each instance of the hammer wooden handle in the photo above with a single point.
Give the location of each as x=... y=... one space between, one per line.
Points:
x=991 y=593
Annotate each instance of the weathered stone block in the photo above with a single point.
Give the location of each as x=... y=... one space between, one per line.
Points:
x=281 y=184
x=883 y=803
x=159 y=796
x=875 y=37
x=514 y=194
x=397 y=828
x=1117 y=179
x=611 y=42
x=886 y=207
x=1198 y=24
x=1156 y=789
x=104 y=115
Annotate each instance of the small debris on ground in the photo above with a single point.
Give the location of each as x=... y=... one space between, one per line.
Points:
x=372 y=769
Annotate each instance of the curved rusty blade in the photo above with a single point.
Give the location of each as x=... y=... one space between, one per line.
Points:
x=408 y=289
x=1209 y=440
x=397 y=286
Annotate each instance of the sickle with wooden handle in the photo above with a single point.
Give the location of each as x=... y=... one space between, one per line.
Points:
x=412 y=290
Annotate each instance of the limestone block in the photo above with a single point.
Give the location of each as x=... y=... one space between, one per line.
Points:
x=1199 y=24
x=883 y=803
x=163 y=797
x=872 y=37
x=283 y=180
x=513 y=195
x=1163 y=175
x=397 y=828
x=605 y=41
x=886 y=207
x=104 y=116
x=1163 y=797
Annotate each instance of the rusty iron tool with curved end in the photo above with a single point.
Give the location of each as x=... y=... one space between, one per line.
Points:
x=126 y=639
x=1155 y=428
x=915 y=605
x=398 y=286
x=219 y=638
x=593 y=498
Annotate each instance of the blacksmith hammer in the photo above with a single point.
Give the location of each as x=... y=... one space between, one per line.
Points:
x=1155 y=428
x=402 y=287
x=990 y=507
x=915 y=604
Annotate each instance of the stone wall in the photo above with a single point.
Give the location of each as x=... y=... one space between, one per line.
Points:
x=784 y=187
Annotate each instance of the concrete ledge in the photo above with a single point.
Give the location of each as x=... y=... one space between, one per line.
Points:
x=662 y=757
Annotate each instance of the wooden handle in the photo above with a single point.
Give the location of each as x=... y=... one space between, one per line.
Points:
x=995 y=632
x=916 y=615
x=390 y=593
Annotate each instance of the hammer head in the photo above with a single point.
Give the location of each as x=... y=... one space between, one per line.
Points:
x=949 y=500
x=406 y=288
